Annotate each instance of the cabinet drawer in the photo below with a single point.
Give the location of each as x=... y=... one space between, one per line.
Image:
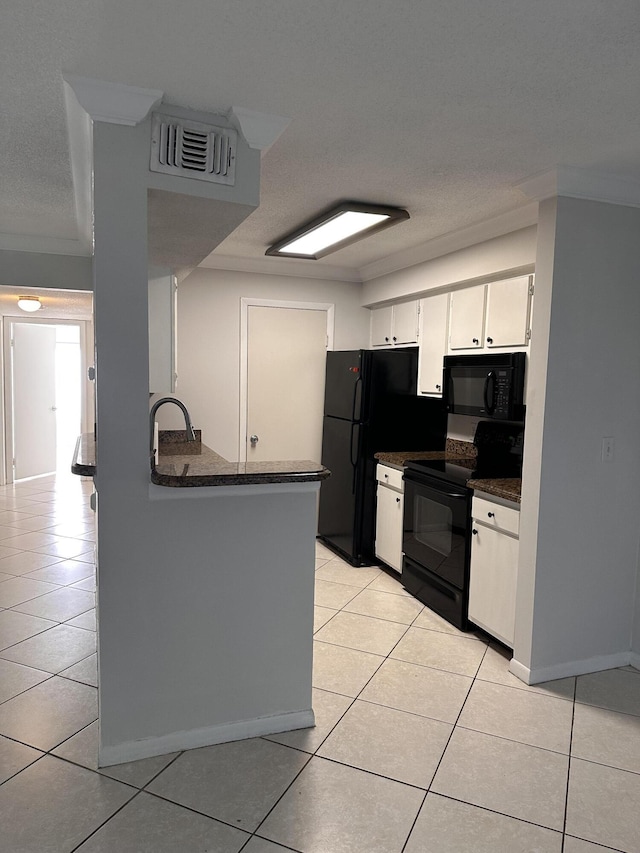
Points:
x=495 y=515
x=390 y=477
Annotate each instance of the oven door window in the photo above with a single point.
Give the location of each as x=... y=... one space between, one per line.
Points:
x=435 y=530
x=433 y=525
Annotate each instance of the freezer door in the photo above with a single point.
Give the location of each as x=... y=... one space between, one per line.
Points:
x=343 y=387
x=339 y=494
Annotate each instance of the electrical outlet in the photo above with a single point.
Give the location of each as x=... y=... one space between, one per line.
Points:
x=607 y=449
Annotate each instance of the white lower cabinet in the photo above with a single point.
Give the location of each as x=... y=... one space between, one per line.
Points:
x=494 y=568
x=390 y=509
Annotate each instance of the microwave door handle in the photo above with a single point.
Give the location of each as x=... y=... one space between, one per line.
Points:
x=490 y=406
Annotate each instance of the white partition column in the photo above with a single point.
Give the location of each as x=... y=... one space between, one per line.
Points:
x=579 y=533
x=205 y=595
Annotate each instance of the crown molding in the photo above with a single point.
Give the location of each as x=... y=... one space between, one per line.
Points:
x=42 y=245
x=259 y=129
x=582 y=183
x=479 y=232
x=281 y=267
x=115 y=103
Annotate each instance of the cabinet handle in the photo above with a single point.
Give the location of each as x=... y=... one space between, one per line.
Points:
x=394 y=338
x=476 y=341
x=387 y=340
x=397 y=500
x=491 y=514
x=489 y=340
x=437 y=387
x=474 y=531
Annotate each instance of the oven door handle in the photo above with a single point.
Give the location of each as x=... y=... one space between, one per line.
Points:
x=490 y=406
x=439 y=489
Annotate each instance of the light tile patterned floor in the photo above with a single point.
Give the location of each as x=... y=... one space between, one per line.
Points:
x=424 y=742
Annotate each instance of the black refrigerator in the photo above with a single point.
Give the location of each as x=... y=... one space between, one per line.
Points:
x=371 y=405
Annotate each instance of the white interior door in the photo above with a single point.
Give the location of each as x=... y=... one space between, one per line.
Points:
x=34 y=399
x=286 y=358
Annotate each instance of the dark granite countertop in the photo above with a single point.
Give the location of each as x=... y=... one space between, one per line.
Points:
x=454 y=450
x=84 y=456
x=207 y=468
x=509 y=489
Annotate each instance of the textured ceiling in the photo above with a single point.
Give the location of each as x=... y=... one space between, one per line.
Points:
x=439 y=107
x=56 y=304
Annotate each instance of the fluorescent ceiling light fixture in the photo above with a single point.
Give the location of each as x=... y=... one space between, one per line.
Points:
x=339 y=227
x=29 y=303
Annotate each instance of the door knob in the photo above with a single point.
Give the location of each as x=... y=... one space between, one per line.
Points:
x=254 y=440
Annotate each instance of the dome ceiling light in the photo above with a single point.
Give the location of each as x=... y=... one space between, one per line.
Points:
x=29 y=303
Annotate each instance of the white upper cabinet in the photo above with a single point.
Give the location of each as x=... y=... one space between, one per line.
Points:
x=492 y=315
x=434 y=312
x=381 y=319
x=466 y=323
x=405 y=323
x=508 y=304
x=395 y=325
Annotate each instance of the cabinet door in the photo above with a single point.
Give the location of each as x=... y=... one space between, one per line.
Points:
x=508 y=304
x=389 y=527
x=493 y=578
x=466 y=321
x=381 y=326
x=404 y=329
x=433 y=343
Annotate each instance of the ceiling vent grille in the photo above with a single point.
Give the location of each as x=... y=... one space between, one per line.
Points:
x=193 y=150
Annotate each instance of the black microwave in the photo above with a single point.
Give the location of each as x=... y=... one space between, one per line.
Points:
x=485 y=386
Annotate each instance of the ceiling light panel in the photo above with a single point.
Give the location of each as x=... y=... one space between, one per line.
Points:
x=335 y=229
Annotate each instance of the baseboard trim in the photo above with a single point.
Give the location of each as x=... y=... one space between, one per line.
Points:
x=564 y=670
x=208 y=736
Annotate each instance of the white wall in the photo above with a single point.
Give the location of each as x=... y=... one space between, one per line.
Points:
x=501 y=257
x=580 y=533
x=209 y=341
x=35 y=269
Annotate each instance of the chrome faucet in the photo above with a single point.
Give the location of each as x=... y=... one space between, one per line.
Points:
x=191 y=434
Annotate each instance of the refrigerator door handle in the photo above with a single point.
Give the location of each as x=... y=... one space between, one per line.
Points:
x=353 y=457
x=357 y=406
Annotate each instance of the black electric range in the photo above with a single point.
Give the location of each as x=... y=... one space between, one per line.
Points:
x=437 y=517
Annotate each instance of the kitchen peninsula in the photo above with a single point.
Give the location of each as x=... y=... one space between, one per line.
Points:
x=219 y=635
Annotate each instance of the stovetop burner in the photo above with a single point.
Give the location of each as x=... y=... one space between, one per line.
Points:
x=499 y=448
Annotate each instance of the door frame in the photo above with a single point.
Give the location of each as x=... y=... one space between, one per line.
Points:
x=6 y=398
x=247 y=302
